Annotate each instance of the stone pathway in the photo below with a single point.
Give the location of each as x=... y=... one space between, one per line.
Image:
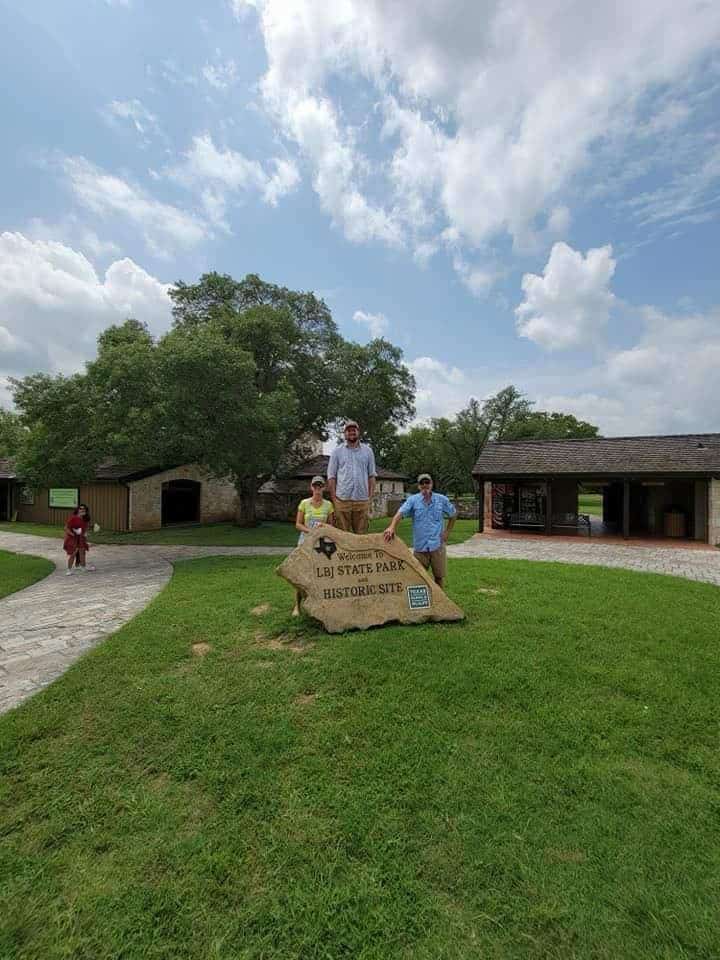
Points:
x=43 y=630
x=703 y=565
x=47 y=626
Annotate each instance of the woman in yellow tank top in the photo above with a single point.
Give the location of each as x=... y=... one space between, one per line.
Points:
x=311 y=513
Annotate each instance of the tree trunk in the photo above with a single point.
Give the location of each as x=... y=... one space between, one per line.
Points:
x=247 y=498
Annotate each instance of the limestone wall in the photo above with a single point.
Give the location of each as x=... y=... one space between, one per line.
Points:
x=218 y=499
x=714 y=513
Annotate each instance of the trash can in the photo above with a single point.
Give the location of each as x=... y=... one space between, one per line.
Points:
x=675 y=524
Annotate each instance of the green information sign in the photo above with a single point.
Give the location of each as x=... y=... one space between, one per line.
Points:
x=64 y=497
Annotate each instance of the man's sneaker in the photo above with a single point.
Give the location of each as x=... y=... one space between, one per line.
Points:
x=69 y=572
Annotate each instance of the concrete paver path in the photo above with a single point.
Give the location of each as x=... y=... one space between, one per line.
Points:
x=44 y=628
x=703 y=565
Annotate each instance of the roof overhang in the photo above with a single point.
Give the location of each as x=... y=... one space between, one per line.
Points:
x=594 y=477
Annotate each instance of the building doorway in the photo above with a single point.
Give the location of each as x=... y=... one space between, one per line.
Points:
x=180 y=502
x=5 y=500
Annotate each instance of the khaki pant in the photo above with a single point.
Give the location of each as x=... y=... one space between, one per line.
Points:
x=437 y=559
x=352 y=515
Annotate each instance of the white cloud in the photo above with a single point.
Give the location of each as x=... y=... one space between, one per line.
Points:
x=53 y=304
x=135 y=113
x=377 y=323
x=220 y=75
x=163 y=226
x=669 y=376
x=570 y=303
x=490 y=111
x=216 y=173
x=441 y=389
x=72 y=232
x=693 y=196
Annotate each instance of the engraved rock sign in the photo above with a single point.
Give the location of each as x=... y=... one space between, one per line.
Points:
x=354 y=581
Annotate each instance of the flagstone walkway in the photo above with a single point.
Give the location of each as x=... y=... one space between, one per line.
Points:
x=47 y=626
x=693 y=564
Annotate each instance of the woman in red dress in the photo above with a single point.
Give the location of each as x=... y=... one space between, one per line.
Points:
x=75 y=543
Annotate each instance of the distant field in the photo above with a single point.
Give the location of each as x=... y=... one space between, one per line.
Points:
x=267 y=534
x=590 y=503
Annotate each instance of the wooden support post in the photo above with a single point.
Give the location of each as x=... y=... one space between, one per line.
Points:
x=626 y=508
x=481 y=504
x=548 y=506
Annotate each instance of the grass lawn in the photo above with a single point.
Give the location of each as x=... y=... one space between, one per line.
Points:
x=538 y=782
x=590 y=503
x=270 y=534
x=17 y=572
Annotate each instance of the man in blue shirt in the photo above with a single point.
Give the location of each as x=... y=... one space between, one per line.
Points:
x=427 y=510
x=351 y=481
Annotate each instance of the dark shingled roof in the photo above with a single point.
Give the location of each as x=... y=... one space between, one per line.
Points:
x=106 y=471
x=319 y=465
x=697 y=453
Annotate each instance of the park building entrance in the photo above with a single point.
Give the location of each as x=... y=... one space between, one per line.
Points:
x=180 y=502
x=640 y=488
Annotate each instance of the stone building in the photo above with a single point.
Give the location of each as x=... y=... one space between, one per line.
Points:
x=665 y=486
x=123 y=499
x=278 y=498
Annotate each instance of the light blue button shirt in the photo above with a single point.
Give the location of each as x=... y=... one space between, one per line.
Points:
x=351 y=467
x=427 y=519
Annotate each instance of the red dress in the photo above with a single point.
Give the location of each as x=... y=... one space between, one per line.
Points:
x=75 y=541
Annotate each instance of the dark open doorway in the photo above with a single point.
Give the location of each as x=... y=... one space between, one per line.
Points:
x=5 y=500
x=180 y=502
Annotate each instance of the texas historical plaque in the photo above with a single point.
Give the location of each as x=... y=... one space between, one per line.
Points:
x=352 y=581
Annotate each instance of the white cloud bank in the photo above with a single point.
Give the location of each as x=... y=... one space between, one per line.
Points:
x=667 y=382
x=164 y=227
x=570 y=303
x=53 y=304
x=218 y=174
x=487 y=112
x=377 y=323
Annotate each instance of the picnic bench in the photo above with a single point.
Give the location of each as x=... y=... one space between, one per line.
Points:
x=567 y=521
x=572 y=521
x=524 y=519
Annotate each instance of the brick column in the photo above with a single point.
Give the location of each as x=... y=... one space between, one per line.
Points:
x=714 y=512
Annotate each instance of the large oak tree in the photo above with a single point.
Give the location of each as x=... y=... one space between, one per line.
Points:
x=246 y=375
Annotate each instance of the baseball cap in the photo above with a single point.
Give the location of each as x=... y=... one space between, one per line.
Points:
x=317 y=479
x=351 y=423
x=424 y=476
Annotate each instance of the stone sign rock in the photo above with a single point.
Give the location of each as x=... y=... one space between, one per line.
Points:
x=352 y=581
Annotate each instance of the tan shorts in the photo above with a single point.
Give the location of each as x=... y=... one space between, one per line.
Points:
x=352 y=515
x=437 y=559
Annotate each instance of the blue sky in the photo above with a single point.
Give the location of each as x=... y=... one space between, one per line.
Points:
x=523 y=192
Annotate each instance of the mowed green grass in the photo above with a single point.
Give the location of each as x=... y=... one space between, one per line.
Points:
x=17 y=572
x=540 y=781
x=590 y=503
x=267 y=534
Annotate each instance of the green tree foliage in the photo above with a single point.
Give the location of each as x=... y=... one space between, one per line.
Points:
x=450 y=448
x=539 y=425
x=11 y=433
x=216 y=293
x=247 y=373
x=374 y=387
